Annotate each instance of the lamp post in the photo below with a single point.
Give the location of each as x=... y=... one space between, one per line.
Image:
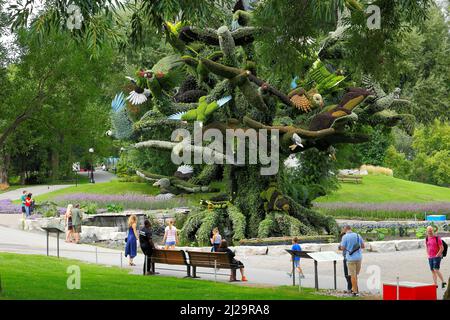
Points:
x=91 y=151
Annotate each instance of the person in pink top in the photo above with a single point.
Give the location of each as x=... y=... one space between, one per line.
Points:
x=434 y=246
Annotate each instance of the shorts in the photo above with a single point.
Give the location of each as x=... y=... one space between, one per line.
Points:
x=236 y=264
x=297 y=263
x=77 y=228
x=435 y=263
x=354 y=267
x=170 y=243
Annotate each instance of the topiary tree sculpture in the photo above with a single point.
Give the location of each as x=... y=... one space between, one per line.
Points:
x=213 y=77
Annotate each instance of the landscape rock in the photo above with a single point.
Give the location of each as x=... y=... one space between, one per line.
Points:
x=92 y=234
x=329 y=247
x=39 y=223
x=278 y=250
x=312 y=247
x=381 y=246
x=402 y=245
x=251 y=250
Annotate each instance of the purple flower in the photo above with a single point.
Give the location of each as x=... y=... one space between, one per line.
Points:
x=427 y=207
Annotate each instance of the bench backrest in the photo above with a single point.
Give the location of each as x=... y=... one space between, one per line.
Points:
x=209 y=259
x=169 y=257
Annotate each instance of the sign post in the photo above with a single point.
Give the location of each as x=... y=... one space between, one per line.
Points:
x=325 y=256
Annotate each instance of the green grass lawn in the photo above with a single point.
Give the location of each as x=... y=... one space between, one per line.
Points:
x=381 y=188
x=41 y=277
x=112 y=187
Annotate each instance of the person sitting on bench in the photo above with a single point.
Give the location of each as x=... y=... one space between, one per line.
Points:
x=235 y=263
x=147 y=246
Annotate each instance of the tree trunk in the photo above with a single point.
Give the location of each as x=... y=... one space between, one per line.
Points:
x=246 y=185
x=55 y=164
x=5 y=160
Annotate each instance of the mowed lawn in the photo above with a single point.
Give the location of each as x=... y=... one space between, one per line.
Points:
x=109 y=188
x=45 y=278
x=381 y=188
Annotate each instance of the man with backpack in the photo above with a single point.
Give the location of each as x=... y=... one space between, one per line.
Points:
x=352 y=245
x=436 y=250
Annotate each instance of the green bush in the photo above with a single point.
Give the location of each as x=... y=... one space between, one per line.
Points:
x=47 y=209
x=89 y=208
x=114 y=208
x=398 y=163
x=238 y=221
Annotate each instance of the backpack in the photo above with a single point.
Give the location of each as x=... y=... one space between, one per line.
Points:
x=444 y=244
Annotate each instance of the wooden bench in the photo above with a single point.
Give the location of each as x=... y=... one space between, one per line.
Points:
x=173 y=257
x=214 y=260
x=350 y=178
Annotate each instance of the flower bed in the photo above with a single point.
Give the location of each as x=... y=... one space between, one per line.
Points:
x=46 y=209
x=383 y=211
x=126 y=201
x=6 y=206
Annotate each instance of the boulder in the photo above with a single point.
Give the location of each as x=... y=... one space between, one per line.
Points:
x=251 y=250
x=313 y=246
x=37 y=224
x=381 y=246
x=328 y=247
x=403 y=245
x=91 y=233
x=277 y=250
x=118 y=236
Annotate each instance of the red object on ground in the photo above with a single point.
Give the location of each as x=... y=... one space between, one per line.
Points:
x=409 y=291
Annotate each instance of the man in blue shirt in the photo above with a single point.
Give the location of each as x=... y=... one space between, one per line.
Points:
x=352 y=245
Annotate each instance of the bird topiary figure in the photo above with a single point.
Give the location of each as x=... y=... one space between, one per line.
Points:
x=224 y=68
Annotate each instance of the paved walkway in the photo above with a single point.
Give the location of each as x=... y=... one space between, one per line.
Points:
x=99 y=176
x=261 y=270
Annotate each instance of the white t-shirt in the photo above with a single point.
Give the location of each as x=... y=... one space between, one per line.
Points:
x=171 y=234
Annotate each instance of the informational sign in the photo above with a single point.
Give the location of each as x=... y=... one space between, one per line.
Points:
x=326 y=256
x=76 y=167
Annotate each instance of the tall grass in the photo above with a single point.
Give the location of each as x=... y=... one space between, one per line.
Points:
x=383 y=211
x=377 y=170
x=127 y=201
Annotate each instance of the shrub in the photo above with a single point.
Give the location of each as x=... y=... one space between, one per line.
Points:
x=4 y=186
x=126 y=201
x=89 y=208
x=398 y=162
x=114 y=208
x=376 y=170
x=48 y=209
x=238 y=221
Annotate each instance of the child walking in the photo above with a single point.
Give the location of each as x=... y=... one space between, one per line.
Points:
x=296 y=247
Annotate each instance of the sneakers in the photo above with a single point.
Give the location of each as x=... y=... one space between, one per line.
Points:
x=289 y=274
x=355 y=294
x=302 y=276
x=244 y=279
